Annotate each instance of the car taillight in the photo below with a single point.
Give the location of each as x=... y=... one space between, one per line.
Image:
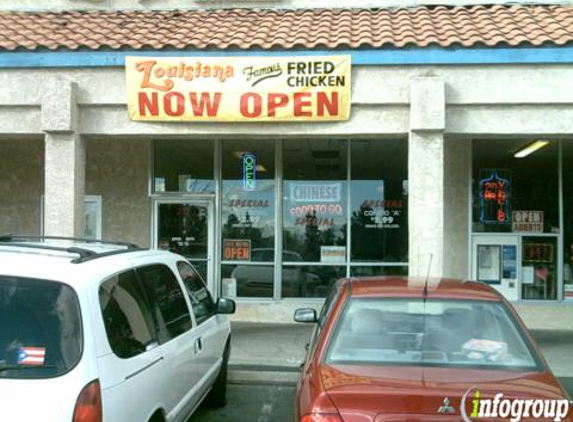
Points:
x=321 y=417
x=88 y=404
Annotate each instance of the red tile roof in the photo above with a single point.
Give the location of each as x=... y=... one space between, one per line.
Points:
x=289 y=29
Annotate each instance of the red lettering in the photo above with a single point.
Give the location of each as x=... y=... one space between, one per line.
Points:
x=322 y=102
x=248 y=99
x=147 y=104
x=299 y=103
x=172 y=109
x=275 y=101
x=205 y=104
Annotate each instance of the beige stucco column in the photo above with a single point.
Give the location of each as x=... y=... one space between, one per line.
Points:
x=65 y=161
x=426 y=176
x=438 y=186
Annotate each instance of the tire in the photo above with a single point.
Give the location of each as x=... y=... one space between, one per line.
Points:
x=218 y=395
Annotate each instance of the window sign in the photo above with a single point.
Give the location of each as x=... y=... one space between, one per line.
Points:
x=495 y=199
x=249 y=171
x=538 y=253
x=236 y=250
x=381 y=214
x=510 y=262
x=489 y=264
x=315 y=203
x=527 y=221
x=333 y=254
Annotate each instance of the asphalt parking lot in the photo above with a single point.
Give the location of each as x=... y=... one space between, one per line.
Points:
x=252 y=403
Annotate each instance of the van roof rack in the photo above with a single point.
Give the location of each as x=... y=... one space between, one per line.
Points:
x=84 y=253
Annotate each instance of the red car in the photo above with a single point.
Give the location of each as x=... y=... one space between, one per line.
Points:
x=406 y=349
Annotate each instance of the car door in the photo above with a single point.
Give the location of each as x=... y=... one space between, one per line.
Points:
x=134 y=372
x=211 y=329
x=179 y=341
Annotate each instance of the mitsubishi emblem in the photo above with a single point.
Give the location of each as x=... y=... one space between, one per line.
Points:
x=446 y=408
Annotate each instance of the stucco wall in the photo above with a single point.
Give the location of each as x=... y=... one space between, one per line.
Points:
x=457 y=153
x=118 y=171
x=480 y=101
x=21 y=185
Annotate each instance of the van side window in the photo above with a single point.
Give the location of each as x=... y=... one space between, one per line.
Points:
x=200 y=297
x=167 y=301
x=126 y=314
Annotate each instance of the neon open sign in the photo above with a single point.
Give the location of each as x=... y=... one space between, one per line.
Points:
x=249 y=171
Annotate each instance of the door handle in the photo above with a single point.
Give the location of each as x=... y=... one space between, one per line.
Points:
x=198 y=345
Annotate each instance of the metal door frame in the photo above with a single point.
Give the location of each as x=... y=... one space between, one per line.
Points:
x=206 y=202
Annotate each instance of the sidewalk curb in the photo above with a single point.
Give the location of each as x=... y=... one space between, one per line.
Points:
x=263 y=374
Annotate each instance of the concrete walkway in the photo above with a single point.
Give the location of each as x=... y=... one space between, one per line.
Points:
x=272 y=353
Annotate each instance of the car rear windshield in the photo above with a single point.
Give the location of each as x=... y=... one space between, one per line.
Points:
x=446 y=333
x=41 y=335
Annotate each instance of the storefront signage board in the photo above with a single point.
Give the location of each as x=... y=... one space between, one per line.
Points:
x=527 y=221
x=239 y=89
x=236 y=249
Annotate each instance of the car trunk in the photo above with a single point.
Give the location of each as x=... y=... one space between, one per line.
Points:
x=389 y=394
x=47 y=400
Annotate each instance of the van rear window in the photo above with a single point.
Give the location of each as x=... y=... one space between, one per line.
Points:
x=41 y=335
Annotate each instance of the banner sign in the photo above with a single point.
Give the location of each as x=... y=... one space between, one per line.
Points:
x=238 y=89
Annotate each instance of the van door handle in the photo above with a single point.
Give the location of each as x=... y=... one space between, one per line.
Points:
x=198 y=345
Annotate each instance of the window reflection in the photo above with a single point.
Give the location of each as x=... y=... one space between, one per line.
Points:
x=309 y=280
x=248 y=280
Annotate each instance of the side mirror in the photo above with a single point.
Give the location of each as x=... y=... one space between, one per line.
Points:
x=305 y=315
x=225 y=306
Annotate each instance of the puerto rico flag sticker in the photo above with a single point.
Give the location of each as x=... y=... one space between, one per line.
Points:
x=31 y=355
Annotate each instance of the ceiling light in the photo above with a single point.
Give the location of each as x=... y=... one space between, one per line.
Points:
x=530 y=149
x=261 y=168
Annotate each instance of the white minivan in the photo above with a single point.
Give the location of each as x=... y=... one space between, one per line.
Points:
x=100 y=332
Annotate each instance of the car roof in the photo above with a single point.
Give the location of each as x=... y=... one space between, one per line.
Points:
x=31 y=259
x=395 y=287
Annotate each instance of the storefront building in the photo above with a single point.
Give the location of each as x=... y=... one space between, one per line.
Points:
x=405 y=155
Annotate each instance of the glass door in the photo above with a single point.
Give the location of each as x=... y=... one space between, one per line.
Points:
x=185 y=227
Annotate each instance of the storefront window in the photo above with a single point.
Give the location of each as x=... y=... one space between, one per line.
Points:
x=183 y=166
x=314 y=207
x=512 y=194
x=309 y=280
x=379 y=195
x=248 y=215
x=567 y=165
x=374 y=271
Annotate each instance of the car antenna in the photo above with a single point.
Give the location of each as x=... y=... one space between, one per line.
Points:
x=425 y=292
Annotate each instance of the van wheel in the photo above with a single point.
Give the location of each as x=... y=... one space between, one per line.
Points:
x=217 y=397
